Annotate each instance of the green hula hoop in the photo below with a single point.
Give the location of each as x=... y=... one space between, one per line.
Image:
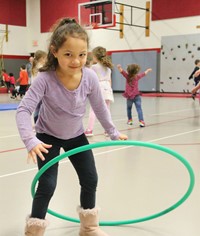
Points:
x=119 y=143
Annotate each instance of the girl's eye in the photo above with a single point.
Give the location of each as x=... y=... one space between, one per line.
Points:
x=82 y=54
x=68 y=54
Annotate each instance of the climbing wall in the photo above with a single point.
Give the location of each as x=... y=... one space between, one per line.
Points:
x=178 y=54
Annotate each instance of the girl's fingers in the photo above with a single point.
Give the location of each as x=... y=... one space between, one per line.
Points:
x=37 y=151
x=32 y=155
x=123 y=137
x=44 y=146
x=41 y=156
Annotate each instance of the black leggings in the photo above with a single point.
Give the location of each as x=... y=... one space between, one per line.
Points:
x=84 y=165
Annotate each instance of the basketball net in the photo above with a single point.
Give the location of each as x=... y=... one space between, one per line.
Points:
x=94 y=25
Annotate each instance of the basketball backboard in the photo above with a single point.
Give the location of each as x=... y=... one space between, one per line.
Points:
x=97 y=14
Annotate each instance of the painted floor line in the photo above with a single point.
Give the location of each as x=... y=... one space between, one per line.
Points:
x=101 y=153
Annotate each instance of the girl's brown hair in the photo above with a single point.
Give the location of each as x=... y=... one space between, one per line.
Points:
x=64 y=28
x=101 y=55
x=132 y=71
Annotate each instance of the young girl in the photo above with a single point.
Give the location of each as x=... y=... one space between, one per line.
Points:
x=38 y=61
x=102 y=68
x=131 y=93
x=63 y=86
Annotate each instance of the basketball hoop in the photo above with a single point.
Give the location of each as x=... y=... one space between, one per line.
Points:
x=97 y=14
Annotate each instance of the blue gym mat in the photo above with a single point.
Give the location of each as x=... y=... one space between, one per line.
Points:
x=9 y=106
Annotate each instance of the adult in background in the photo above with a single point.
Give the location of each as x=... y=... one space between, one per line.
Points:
x=29 y=69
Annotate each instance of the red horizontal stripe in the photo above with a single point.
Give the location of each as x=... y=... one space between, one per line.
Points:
x=109 y=53
x=135 y=50
x=14 y=57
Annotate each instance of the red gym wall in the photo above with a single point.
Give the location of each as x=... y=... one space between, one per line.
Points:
x=13 y=12
x=51 y=10
x=169 y=9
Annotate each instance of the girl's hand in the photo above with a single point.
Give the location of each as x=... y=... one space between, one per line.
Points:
x=119 y=68
x=148 y=70
x=123 y=137
x=37 y=151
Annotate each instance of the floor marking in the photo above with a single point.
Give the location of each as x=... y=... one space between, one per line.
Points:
x=9 y=136
x=12 y=150
x=105 y=152
x=164 y=113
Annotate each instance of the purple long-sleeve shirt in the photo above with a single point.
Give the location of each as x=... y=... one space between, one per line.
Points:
x=132 y=89
x=62 y=110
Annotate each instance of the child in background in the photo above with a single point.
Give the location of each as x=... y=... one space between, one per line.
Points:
x=64 y=86
x=6 y=79
x=197 y=77
x=102 y=68
x=23 y=81
x=197 y=87
x=15 y=92
x=132 y=93
x=38 y=61
x=89 y=61
x=12 y=82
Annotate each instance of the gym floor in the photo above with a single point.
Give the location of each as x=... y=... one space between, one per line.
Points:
x=134 y=182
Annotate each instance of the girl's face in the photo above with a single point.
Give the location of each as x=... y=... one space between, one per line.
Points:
x=72 y=55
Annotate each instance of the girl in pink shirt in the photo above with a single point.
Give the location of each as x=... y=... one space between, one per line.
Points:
x=132 y=93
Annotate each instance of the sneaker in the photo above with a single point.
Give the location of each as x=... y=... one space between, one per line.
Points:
x=12 y=97
x=142 y=124
x=193 y=96
x=106 y=134
x=130 y=122
x=88 y=133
